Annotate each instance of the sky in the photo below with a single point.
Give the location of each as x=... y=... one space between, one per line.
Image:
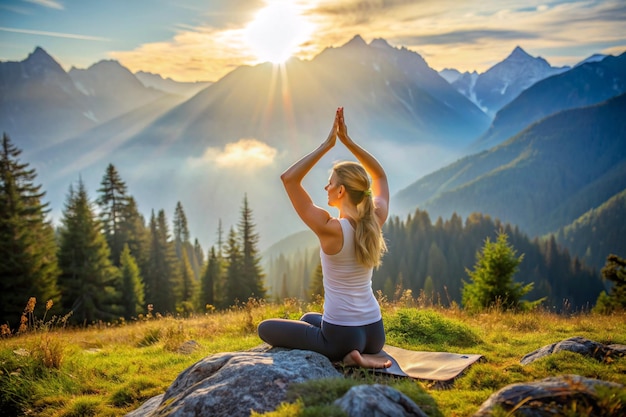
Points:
x=203 y=40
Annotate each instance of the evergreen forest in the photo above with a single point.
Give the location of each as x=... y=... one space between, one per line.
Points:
x=106 y=262
x=432 y=259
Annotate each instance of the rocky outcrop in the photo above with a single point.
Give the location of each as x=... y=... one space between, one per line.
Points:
x=233 y=384
x=377 y=401
x=549 y=397
x=579 y=345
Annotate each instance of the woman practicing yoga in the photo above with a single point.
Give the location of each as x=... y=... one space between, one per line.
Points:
x=351 y=245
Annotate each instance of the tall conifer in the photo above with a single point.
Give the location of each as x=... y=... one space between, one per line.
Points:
x=132 y=285
x=210 y=277
x=90 y=283
x=28 y=262
x=251 y=261
x=113 y=201
x=163 y=274
x=236 y=288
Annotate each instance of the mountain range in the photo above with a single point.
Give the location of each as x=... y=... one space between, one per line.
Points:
x=502 y=83
x=174 y=142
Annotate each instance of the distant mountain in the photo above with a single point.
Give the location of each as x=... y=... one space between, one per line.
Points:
x=597 y=233
x=500 y=84
x=168 y=85
x=171 y=148
x=39 y=103
x=540 y=180
x=393 y=101
x=391 y=94
x=592 y=58
x=42 y=106
x=584 y=85
x=451 y=74
x=111 y=89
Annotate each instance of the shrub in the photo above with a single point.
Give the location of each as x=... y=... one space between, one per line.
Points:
x=412 y=326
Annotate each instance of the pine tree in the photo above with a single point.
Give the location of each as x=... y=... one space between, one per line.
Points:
x=28 y=262
x=209 y=278
x=132 y=285
x=163 y=276
x=220 y=284
x=188 y=286
x=137 y=235
x=251 y=263
x=492 y=278
x=181 y=229
x=236 y=288
x=197 y=249
x=317 y=283
x=614 y=270
x=113 y=201
x=182 y=241
x=89 y=282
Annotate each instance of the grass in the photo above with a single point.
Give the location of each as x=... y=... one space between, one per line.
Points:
x=109 y=370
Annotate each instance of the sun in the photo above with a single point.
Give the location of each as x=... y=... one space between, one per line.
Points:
x=276 y=31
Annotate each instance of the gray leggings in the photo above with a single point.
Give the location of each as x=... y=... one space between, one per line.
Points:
x=331 y=340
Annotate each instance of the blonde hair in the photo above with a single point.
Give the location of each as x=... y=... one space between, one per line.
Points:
x=369 y=242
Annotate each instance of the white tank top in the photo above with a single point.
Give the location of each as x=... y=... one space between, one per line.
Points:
x=348 y=296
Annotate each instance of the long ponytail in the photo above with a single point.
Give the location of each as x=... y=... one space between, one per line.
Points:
x=369 y=242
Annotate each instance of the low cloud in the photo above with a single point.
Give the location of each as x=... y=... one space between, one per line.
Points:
x=245 y=154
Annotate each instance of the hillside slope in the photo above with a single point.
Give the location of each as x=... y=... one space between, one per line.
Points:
x=597 y=233
x=540 y=180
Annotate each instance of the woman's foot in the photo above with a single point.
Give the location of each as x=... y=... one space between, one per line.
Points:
x=355 y=358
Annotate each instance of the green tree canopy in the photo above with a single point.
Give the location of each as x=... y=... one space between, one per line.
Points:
x=90 y=283
x=162 y=278
x=613 y=271
x=132 y=285
x=28 y=262
x=251 y=261
x=113 y=202
x=492 y=278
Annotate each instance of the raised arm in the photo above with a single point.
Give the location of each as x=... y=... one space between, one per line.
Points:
x=380 y=186
x=313 y=216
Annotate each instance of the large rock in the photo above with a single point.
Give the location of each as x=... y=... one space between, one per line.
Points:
x=550 y=397
x=377 y=401
x=579 y=345
x=233 y=384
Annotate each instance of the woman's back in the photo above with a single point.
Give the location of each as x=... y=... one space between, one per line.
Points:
x=348 y=296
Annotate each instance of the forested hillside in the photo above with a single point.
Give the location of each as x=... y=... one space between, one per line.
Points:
x=540 y=180
x=597 y=233
x=432 y=257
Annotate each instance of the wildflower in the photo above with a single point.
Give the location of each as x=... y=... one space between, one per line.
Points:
x=30 y=306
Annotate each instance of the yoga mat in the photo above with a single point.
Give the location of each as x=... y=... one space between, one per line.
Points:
x=434 y=366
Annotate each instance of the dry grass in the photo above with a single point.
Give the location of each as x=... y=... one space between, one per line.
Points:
x=50 y=369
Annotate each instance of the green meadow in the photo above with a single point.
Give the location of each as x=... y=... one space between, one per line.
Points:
x=51 y=370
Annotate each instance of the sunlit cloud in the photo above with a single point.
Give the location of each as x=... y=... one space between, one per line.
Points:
x=47 y=3
x=245 y=154
x=200 y=54
x=462 y=35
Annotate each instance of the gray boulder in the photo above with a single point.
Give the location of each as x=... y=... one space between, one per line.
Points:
x=549 y=397
x=234 y=384
x=377 y=401
x=577 y=344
